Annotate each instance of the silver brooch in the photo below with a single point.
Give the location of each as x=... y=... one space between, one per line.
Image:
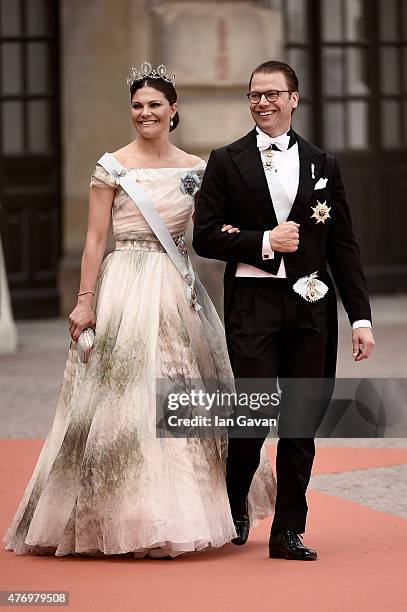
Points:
x=117 y=175
x=321 y=212
x=190 y=183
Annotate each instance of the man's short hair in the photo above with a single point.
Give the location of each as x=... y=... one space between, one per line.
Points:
x=276 y=66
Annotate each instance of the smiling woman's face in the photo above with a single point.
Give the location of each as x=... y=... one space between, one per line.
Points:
x=151 y=112
x=274 y=118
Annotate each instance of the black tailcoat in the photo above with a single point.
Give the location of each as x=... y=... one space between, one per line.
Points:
x=234 y=190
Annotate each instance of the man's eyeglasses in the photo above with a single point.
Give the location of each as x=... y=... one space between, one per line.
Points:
x=271 y=96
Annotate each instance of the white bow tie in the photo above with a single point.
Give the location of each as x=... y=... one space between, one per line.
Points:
x=264 y=141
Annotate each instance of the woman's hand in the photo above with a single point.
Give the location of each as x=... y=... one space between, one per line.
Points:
x=82 y=316
x=230 y=229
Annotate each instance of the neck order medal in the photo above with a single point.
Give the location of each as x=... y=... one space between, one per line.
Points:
x=268 y=164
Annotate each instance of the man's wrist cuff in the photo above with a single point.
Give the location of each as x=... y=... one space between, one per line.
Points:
x=361 y=323
x=267 y=251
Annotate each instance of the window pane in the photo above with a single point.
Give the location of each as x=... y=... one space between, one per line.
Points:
x=388 y=20
x=38 y=126
x=356 y=76
x=354 y=20
x=38 y=70
x=11 y=77
x=391 y=136
x=10 y=17
x=296 y=21
x=37 y=18
x=332 y=20
x=390 y=70
x=12 y=127
x=299 y=60
x=302 y=121
x=358 y=121
x=332 y=71
x=334 y=126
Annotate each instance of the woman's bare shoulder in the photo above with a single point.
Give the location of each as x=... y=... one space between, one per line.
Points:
x=124 y=153
x=188 y=160
x=195 y=160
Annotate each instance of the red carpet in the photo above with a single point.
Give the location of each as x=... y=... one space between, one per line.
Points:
x=362 y=557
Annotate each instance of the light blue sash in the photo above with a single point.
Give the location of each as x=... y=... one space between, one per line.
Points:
x=146 y=206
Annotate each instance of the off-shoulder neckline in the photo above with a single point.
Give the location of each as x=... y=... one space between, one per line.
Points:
x=201 y=161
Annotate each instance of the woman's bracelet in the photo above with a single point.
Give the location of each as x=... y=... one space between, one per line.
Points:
x=85 y=292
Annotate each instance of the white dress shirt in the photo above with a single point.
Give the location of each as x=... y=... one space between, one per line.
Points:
x=286 y=164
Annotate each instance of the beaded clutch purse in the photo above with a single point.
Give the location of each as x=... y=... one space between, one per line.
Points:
x=85 y=344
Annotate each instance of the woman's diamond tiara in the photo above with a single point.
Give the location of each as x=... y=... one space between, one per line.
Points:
x=145 y=70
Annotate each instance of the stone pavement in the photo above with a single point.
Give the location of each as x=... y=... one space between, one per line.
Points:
x=362 y=556
x=356 y=520
x=30 y=380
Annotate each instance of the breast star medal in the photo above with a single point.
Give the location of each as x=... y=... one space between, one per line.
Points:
x=268 y=164
x=321 y=212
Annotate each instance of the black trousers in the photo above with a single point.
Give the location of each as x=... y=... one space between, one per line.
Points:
x=273 y=332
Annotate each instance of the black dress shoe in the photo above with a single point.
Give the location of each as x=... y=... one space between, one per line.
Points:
x=287 y=545
x=242 y=524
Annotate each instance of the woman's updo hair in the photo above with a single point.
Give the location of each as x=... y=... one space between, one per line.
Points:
x=165 y=87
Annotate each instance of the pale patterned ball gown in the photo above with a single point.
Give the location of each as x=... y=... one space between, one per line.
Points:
x=104 y=483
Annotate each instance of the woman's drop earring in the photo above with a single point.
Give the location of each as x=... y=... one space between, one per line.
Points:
x=171 y=122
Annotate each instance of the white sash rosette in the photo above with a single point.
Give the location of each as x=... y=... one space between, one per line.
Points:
x=310 y=287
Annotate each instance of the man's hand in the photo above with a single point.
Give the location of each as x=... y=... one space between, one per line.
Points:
x=362 y=342
x=285 y=237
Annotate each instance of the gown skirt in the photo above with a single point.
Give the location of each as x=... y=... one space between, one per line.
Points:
x=104 y=482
